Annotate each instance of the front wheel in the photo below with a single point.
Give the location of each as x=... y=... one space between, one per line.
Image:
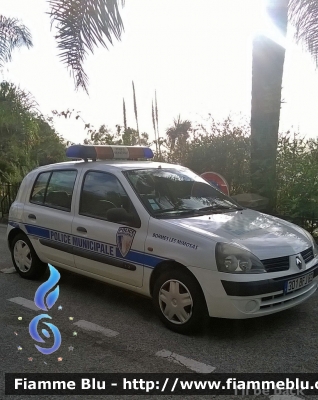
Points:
x=179 y=301
x=25 y=259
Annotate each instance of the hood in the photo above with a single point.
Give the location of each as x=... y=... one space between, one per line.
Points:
x=264 y=235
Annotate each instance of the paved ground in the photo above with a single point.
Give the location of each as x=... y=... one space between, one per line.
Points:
x=285 y=342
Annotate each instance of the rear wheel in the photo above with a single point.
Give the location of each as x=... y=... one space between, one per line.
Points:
x=179 y=301
x=25 y=260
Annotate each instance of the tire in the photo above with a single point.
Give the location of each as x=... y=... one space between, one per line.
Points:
x=181 y=318
x=25 y=259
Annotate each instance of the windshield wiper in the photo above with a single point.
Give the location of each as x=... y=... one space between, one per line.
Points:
x=218 y=207
x=175 y=211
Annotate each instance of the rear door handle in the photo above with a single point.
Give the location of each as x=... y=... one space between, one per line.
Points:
x=81 y=229
x=31 y=216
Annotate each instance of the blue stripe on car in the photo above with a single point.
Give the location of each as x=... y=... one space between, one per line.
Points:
x=38 y=231
x=133 y=256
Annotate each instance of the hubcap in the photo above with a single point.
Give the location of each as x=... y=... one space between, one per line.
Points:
x=22 y=256
x=175 y=302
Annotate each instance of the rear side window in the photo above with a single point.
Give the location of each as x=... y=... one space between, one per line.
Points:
x=54 y=189
x=39 y=188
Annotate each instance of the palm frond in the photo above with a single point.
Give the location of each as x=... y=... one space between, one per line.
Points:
x=135 y=109
x=303 y=14
x=124 y=112
x=83 y=25
x=154 y=126
x=13 y=34
x=153 y=118
x=156 y=111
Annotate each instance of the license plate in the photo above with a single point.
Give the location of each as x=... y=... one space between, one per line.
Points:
x=298 y=283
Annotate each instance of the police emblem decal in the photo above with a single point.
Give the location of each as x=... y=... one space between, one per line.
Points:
x=299 y=262
x=124 y=239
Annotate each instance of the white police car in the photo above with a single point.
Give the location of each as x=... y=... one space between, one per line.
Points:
x=160 y=230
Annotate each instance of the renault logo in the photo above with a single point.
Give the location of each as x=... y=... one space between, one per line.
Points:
x=299 y=263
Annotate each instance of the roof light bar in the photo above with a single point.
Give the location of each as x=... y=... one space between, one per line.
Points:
x=108 y=152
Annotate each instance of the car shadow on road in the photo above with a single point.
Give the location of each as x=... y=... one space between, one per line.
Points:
x=220 y=328
x=217 y=328
x=97 y=291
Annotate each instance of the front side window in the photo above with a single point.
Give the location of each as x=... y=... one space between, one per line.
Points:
x=177 y=193
x=54 y=189
x=102 y=192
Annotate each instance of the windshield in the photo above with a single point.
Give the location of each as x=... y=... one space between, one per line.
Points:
x=169 y=192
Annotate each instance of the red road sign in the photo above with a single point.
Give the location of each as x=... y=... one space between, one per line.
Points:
x=216 y=180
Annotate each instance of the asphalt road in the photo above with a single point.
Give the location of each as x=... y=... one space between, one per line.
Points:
x=284 y=342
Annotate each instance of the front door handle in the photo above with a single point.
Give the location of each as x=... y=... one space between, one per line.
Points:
x=81 y=229
x=31 y=216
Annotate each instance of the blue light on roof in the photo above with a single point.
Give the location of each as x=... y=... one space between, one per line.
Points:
x=81 y=151
x=148 y=152
x=108 y=152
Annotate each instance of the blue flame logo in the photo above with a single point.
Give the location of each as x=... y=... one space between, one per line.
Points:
x=45 y=288
x=39 y=300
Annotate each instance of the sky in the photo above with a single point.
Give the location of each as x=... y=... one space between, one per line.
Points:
x=196 y=54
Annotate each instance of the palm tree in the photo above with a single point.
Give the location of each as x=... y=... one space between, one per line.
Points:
x=267 y=74
x=81 y=25
x=178 y=133
x=303 y=14
x=13 y=34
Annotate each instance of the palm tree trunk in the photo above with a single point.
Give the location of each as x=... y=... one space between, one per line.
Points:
x=267 y=74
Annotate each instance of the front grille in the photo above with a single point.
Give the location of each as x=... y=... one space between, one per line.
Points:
x=276 y=264
x=282 y=263
x=307 y=255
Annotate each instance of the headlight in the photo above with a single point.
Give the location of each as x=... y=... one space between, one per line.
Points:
x=235 y=260
x=314 y=244
x=315 y=248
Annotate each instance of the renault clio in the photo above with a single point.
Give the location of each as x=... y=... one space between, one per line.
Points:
x=160 y=230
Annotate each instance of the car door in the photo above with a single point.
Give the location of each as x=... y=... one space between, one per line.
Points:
x=48 y=214
x=110 y=250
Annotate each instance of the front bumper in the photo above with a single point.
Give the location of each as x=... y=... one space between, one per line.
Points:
x=255 y=299
x=256 y=288
x=254 y=306
x=250 y=299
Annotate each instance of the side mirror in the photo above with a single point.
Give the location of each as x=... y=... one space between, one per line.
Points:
x=121 y=216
